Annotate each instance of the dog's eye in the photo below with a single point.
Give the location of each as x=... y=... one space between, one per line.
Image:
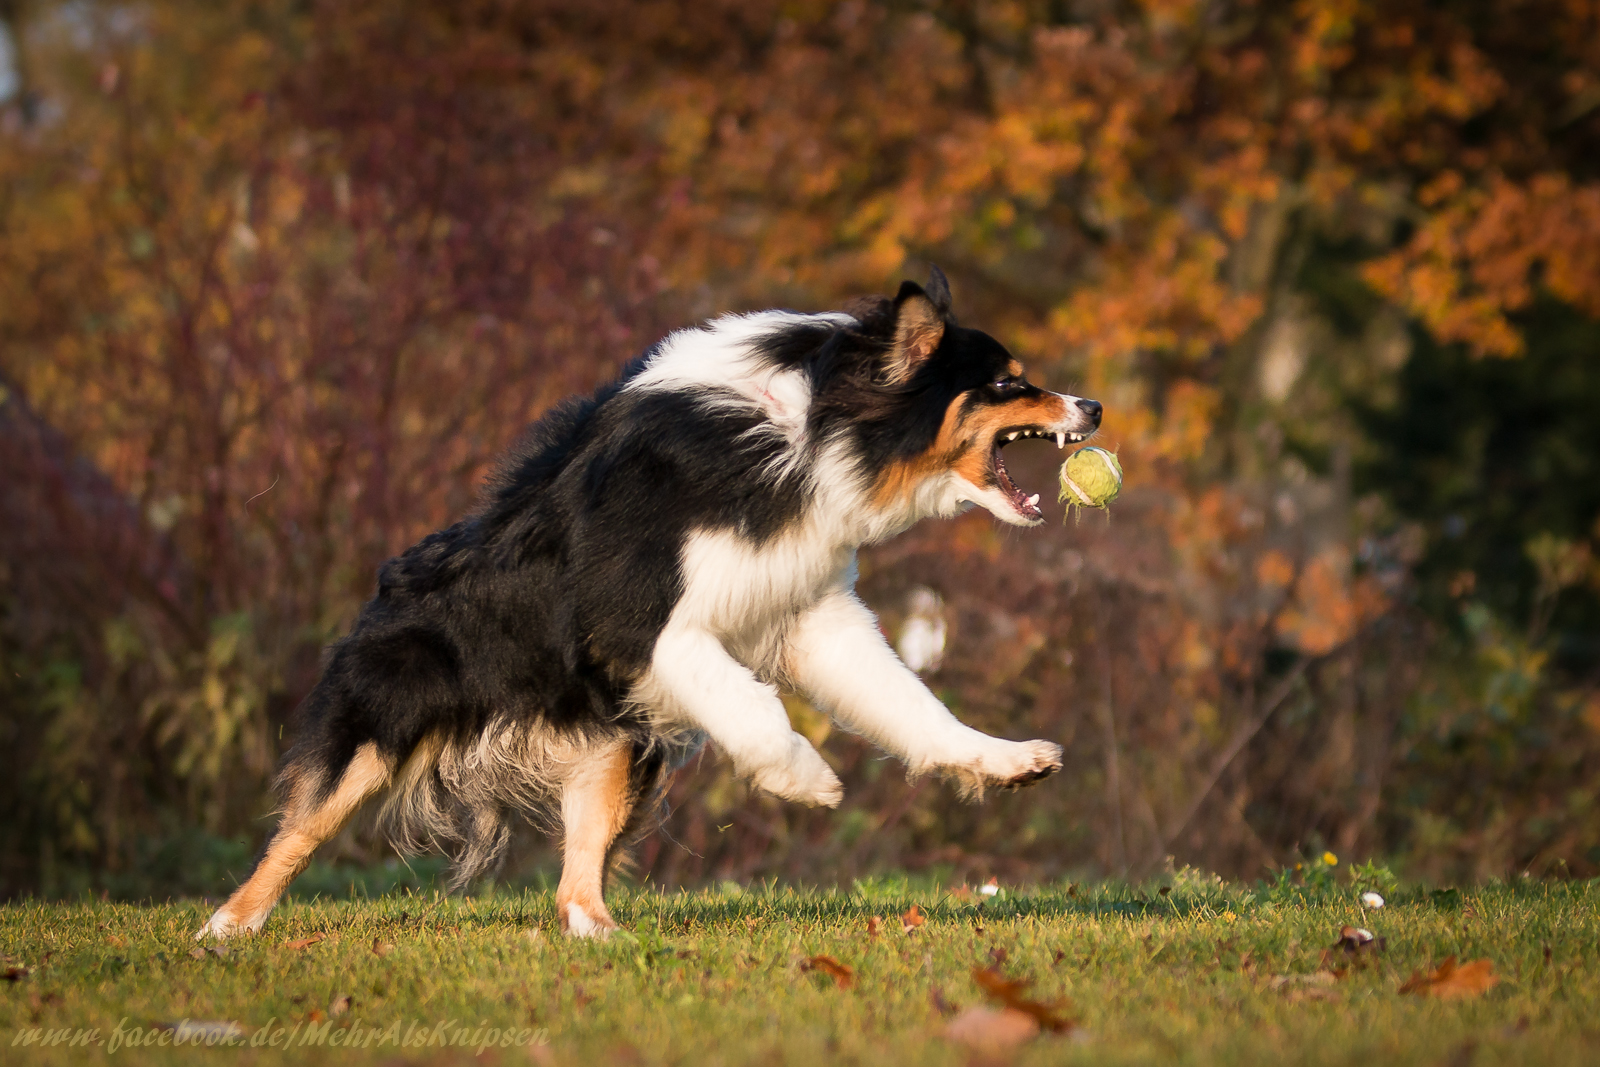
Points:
x=1006 y=384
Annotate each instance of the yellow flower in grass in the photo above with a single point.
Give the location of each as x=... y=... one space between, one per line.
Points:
x=1330 y=859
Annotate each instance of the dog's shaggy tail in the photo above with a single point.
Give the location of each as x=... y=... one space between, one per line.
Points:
x=458 y=796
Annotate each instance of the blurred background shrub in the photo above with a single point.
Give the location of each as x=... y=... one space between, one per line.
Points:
x=278 y=279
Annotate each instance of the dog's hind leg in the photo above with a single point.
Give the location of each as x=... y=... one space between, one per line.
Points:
x=311 y=816
x=597 y=798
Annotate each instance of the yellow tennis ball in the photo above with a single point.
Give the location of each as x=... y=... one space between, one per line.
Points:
x=1090 y=478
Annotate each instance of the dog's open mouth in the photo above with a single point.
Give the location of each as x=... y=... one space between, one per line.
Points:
x=1027 y=504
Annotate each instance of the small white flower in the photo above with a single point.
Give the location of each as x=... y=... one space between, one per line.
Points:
x=1371 y=900
x=992 y=889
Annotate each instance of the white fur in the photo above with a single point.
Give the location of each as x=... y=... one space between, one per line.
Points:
x=838 y=657
x=223 y=925
x=722 y=356
x=581 y=924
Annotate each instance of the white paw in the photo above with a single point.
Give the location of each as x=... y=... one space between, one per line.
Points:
x=578 y=921
x=220 y=927
x=1021 y=763
x=803 y=776
x=1002 y=765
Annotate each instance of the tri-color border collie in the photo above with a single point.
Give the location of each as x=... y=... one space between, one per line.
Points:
x=649 y=566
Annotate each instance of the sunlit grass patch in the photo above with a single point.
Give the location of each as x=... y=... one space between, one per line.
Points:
x=1184 y=969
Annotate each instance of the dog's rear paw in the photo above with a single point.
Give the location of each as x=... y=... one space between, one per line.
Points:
x=220 y=927
x=804 y=778
x=592 y=921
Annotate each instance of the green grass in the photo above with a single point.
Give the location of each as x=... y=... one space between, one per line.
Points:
x=715 y=977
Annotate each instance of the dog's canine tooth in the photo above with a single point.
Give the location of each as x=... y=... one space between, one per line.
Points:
x=1011 y=437
x=1033 y=501
x=1061 y=440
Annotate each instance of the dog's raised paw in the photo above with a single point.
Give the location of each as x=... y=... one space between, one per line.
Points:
x=804 y=778
x=1027 y=762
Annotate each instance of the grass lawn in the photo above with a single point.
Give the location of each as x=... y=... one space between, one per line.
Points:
x=1206 y=973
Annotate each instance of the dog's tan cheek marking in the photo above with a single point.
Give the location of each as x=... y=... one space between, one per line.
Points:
x=1014 y=369
x=306 y=824
x=595 y=805
x=900 y=480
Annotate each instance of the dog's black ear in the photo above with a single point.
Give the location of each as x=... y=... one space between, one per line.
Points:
x=919 y=323
x=939 y=291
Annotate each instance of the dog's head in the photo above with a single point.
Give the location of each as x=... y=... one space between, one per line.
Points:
x=950 y=400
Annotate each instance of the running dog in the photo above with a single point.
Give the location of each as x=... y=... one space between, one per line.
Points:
x=650 y=565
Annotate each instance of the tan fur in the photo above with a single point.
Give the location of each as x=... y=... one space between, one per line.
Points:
x=963 y=445
x=306 y=824
x=595 y=805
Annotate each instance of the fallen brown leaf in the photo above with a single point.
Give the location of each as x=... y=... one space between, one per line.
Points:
x=1008 y=991
x=912 y=919
x=339 y=1006
x=381 y=948
x=941 y=1005
x=15 y=974
x=1452 y=982
x=873 y=925
x=992 y=1032
x=843 y=975
x=963 y=894
x=304 y=942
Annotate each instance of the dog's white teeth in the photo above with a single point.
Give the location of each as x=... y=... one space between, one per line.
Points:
x=1033 y=501
x=1061 y=440
x=1011 y=437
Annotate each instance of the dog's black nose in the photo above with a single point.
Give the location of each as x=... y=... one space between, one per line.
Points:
x=1092 y=409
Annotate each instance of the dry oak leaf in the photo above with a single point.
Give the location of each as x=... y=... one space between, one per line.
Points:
x=1008 y=991
x=304 y=942
x=843 y=975
x=1451 y=982
x=873 y=925
x=912 y=919
x=992 y=1032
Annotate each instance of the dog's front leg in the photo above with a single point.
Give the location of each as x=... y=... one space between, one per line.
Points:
x=837 y=656
x=694 y=680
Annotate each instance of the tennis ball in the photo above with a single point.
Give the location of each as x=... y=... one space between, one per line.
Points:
x=1090 y=478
